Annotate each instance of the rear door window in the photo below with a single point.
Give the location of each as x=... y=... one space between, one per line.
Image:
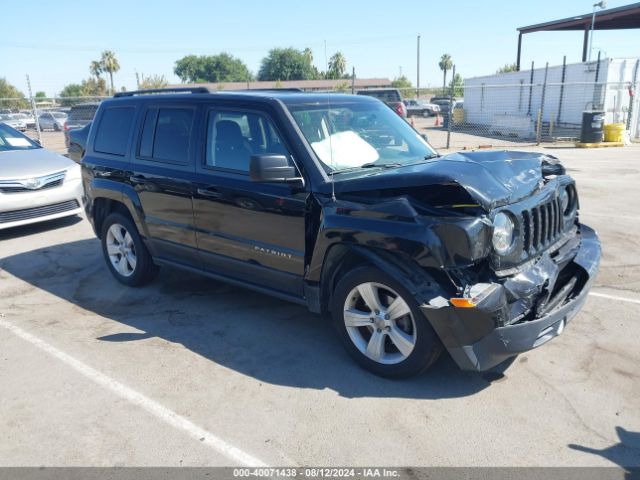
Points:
x=112 y=136
x=166 y=135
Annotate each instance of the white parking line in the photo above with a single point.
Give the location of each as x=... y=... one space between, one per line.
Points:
x=151 y=406
x=614 y=297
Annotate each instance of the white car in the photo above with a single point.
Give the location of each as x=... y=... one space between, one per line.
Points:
x=17 y=123
x=35 y=184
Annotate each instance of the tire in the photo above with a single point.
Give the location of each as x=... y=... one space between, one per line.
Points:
x=426 y=114
x=373 y=344
x=132 y=264
x=56 y=127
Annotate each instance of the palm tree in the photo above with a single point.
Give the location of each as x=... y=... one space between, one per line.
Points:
x=110 y=64
x=445 y=64
x=95 y=67
x=337 y=65
x=308 y=54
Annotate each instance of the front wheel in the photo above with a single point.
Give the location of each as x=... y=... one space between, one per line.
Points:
x=125 y=253
x=381 y=325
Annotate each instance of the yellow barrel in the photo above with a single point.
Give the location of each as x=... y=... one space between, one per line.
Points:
x=613 y=132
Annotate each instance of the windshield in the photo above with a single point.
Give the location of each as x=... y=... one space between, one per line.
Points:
x=11 y=139
x=355 y=135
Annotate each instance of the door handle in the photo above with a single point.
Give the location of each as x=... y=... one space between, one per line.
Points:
x=138 y=179
x=209 y=192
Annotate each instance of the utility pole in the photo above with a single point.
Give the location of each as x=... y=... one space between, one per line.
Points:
x=33 y=110
x=418 y=74
x=137 y=81
x=353 y=80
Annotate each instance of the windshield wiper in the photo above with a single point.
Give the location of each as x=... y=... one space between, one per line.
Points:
x=381 y=165
x=367 y=165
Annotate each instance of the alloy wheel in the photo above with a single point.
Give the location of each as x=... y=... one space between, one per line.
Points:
x=380 y=323
x=121 y=250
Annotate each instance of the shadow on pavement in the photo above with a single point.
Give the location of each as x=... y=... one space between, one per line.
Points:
x=625 y=453
x=40 y=227
x=256 y=335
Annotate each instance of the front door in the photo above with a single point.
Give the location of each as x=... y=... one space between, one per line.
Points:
x=252 y=232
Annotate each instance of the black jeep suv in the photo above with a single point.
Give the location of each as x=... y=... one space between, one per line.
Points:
x=334 y=202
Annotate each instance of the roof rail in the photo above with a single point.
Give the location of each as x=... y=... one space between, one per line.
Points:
x=275 y=89
x=163 y=90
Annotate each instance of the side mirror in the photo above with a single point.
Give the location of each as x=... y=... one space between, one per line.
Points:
x=273 y=169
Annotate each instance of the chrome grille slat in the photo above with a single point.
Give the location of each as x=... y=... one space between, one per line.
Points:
x=53 y=184
x=22 y=185
x=35 y=212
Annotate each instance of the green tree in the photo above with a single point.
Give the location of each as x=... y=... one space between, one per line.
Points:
x=153 y=82
x=287 y=64
x=401 y=82
x=110 y=65
x=94 y=88
x=77 y=92
x=445 y=65
x=95 y=67
x=457 y=85
x=212 y=68
x=8 y=91
x=337 y=66
x=342 y=87
x=508 y=67
x=68 y=95
x=40 y=96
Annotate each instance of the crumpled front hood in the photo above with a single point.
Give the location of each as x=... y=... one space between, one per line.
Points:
x=491 y=178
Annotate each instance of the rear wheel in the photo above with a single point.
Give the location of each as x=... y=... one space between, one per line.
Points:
x=126 y=255
x=381 y=325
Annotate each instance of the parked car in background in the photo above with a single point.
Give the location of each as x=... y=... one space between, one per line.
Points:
x=444 y=103
x=35 y=184
x=390 y=96
x=27 y=118
x=422 y=109
x=17 y=123
x=52 y=121
x=79 y=116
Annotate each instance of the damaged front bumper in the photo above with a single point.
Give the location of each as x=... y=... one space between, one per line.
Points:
x=550 y=292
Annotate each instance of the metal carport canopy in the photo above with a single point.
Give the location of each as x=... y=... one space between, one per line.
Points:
x=619 y=18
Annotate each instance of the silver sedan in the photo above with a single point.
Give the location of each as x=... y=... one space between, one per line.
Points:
x=35 y=184
x=52 y=121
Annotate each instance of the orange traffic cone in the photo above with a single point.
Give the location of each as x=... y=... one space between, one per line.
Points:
x=413 y=123
x=437 y=120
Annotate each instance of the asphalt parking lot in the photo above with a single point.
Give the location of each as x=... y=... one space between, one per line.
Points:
x=190 y=371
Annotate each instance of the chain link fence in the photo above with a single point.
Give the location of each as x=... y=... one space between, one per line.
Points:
x=472 y=115
x=508 y=115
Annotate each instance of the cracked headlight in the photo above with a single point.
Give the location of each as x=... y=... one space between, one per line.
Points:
x=502 y=233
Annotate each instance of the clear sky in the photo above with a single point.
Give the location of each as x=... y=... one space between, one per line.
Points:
x=54 y=42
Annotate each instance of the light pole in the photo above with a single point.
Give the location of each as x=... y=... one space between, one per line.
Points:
x=601 y=5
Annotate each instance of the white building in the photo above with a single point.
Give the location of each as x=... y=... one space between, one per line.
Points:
x=509 y=103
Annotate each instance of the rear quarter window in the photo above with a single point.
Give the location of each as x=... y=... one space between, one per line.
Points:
x=112 y=136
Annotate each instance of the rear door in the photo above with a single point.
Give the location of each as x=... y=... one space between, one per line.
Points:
x=162 y=174
x=253 y=232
